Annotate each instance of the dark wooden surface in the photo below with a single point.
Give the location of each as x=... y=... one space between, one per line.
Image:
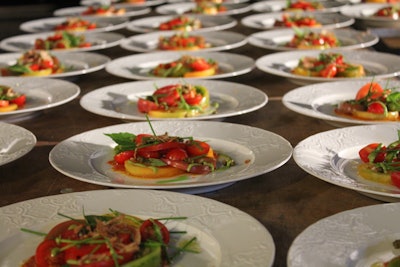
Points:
x=285 y=201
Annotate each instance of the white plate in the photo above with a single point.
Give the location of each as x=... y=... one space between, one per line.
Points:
x=363 y=14
x=120 y=100
x=209 y=23
x=138 y=66
x=319 y=100
x=80 y=62
x=265 y=21
x=377 y=65
x=256 y=151
x=280 y=5
x=358 y=237
x=15 y=142
x=224 y=1
x=40 y=93
x=218 y=227
x=332 y=156
x=131 y=11
x=148 y=42
x=276 y=39
x=186 y=8
x=145 y=3
x=99 y=40
x=104 y=24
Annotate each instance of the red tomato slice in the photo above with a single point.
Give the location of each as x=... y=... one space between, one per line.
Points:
x=148 y=231
x=145 y=106
x=162 y=146
x=177 y=154
x=64 y=229
x=330 y=71
x=395 y=176
x=193 y=99
x=197 y=148
x=44 y=256
x=4 y=103
x=200 y=65
x=365 y=151
x=377 y=108
x=123 y=156
x=20 y=101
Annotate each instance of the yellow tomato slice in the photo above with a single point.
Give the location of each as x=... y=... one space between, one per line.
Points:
x=367 y=173
x=203 y=73
x=178 y=113
x=8 y=108
x=151 y=172
x=44 y=72
x=365 y=115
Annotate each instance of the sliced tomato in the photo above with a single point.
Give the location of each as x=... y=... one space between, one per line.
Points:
x=365 y=151
x=162 y=146
x=177 y=154
x=20 y=100
x=377 y=107
x=65 y=229
x=121 y=157
x=150 y=230
x=4 y=103
x=139 y=140
x=193 y=98
x=329 y=71
x=374 y=90
x=45 y=255
x=395 y=177
x=200 y=65
x=197 y=148
x=145 y=106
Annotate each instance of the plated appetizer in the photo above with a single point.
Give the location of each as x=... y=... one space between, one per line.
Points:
x=177 y=101
x=154 y=156
x=75 y=24
x=304 y=39
x=103 y=10
x=302 y=5
x=113 y=239
x=209 y=8
x=10 y=100
x=297 y=20
x=34 y=63
x=328 y=65
x=181 y=23
x=182 y=41
x=380 y=163
x=372 y=102
x=61 y=40
x=187 y=66
x=392 y=12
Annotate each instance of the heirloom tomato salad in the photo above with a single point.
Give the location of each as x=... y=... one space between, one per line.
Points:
x=328 y=65
x=372 y=102
x=103 y=10
x=182 y=41
x=186 y=66
x=297 y=20
x=177 y=101
x=160 y=156
x=180 y=23
x=391 y=12
x=209 y=8
x=381 y=163
x=111 y=240
x=10 y=100
x=305 y=39
x=61 y=40
x=75 y=24
x=34 y=63
x=303 y=5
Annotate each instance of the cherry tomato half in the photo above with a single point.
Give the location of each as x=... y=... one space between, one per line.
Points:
x=149 y=229
x=197 y=148
x=123 y=156
x=365 y=151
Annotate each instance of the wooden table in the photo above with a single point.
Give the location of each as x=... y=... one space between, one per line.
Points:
x=286 y=201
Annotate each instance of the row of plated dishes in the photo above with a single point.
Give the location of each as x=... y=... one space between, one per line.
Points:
x=318 y=97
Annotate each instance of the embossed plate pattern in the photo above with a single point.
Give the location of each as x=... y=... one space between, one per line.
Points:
x=256 y=151
x=358 y=237
x=15 y=142
x=332 y=156
x=218 y=227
